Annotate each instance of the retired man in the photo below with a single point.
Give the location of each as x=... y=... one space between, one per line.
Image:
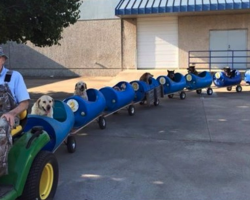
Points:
x=14 y=99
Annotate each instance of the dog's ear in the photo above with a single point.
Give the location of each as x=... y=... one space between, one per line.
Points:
x=76 y=85
x=85 y=86
x=38 y=102
x=168 y=71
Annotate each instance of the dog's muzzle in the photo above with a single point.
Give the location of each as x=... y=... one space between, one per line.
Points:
x=47 y=109
x=82 y=88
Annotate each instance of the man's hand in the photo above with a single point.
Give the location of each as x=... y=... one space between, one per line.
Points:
x=9 y=118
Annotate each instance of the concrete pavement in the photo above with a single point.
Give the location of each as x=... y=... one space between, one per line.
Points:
x=192 y=149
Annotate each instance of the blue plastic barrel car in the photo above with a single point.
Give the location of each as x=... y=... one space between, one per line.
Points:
x=58 y=127
x=220 y=79
x=118 y=97
x=85 y=111
x=247 y=76
x=200 y=81
x=173 y=86
x=147 y=92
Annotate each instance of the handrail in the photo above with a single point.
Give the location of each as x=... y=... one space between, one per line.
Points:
x=233 y=58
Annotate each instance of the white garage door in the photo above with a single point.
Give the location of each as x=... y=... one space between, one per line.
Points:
x=157 y=42
x=228 y=40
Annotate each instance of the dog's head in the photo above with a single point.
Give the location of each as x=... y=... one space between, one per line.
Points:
x=80 y=86
x=191 y=69
x=171 y=74
x=45 y=103
x=117 y=88
x=146 y=77
x=227 y=70
x=122 y=87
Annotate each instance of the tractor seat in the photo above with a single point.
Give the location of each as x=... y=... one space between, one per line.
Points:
x=18 y=129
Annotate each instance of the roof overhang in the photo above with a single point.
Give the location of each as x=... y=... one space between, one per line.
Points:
x=137 y=8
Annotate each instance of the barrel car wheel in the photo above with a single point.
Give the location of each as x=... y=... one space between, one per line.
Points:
x=198 y=91
x=131 y=110
x=142 y=102
x=182 y=95
x=238 y=88
x=102 y=122
x=157 y=102
x=229 y=88
x=209 y=91
x=170 y=96
x=71 y=144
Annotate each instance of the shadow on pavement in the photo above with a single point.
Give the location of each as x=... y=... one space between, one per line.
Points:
x=36 y=82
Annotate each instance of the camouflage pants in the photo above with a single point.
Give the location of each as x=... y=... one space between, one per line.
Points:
x=5 y=145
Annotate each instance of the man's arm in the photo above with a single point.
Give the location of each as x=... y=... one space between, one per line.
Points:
x=10 y=116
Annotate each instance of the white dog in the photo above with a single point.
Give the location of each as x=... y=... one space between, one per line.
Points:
x=43 y=106
x=81 y=90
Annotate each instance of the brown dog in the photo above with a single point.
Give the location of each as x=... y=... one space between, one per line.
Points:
x=191 y=69
x=146 y=77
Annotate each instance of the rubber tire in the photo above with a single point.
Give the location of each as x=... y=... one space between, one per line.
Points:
x=156 y=102
x=142 y=102
x=170 y=96
x=102 y=122
x=238 y=88
x=71 y=144
x=210 y=91
x=198 y=91
x=182 y=95
x=31 y=188
x=229 y=88
x=131 y=110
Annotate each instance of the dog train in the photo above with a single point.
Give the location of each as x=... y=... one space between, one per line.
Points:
x=62 y=119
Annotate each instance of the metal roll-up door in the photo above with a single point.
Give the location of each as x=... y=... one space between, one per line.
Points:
x=157 y=43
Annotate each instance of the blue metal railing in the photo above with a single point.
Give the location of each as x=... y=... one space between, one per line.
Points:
x=239 y=59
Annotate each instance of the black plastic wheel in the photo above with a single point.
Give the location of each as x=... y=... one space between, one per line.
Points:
x=198 y=91
x=170 y=96
x=238 y=88
x=156 y=102
x=71 y=144
x=131 y=110
x=209 y=91
x=229 y=88
x=102 y=122
x=42 y=180
x=182 y=95
x=142 y=102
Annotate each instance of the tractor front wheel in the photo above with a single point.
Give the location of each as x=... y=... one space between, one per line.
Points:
x=42 y=180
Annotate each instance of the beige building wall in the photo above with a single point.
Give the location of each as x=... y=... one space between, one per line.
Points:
x=194 y=32
x=88 y=48
x=129 y=53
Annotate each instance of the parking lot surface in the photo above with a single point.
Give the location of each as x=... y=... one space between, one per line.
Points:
x=192 y=149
